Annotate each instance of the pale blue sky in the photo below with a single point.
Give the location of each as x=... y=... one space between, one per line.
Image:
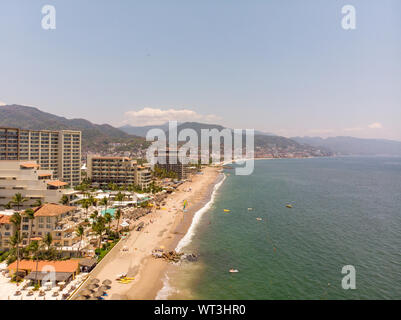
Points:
x=281 y=66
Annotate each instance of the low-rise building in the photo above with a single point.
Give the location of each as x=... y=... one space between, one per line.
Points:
x=143 y=176
x=58 y=220
x=33 y=184
x=7 y=230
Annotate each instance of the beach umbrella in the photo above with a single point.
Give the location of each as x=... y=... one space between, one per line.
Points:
x=86 y=293
x=98 y=294
x=92 y=298
x=81 y=298
x=92 y=286
x=104 y=288
x=107 y=282
x=94 y=281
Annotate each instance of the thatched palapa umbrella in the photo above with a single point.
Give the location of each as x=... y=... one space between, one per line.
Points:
x=86 y=293
x=94 y=281
x=104 y=288
x=107 y=282
x=92 y=286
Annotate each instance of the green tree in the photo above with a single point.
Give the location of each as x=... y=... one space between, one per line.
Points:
x=16 y=239
x=119 y=197
x=104 y=202
x=48 y=239
x=85 y=205
x=80 y=233
x=64 y=200
x=108 y=218
x=18 y=200
x=117 y=216
x=30 y=215
x=38 y=203
x=99 y=228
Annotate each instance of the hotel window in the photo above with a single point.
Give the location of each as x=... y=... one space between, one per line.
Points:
x=41 y=226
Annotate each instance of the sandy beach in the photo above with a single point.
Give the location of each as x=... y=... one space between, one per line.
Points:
x=164 y=228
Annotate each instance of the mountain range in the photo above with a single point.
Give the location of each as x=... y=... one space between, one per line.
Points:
x=94 y=136
x=354 y=146
x=99 y=137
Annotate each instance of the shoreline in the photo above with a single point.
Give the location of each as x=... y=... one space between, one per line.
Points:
x=182 y=229
x=164 y=228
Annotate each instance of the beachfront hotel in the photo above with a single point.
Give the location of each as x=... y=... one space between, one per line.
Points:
x=168 y=160
x=119 y=170
x=33 y=184
x=59 y=151
x=58 y=220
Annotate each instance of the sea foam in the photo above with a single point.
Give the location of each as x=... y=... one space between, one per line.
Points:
x=167 y=290
x=197 y=217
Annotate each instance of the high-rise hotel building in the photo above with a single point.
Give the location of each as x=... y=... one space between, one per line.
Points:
x=59 y=151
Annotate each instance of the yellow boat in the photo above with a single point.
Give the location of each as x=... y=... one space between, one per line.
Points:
x=226 y=210
x=289 y=206
x=125 y=281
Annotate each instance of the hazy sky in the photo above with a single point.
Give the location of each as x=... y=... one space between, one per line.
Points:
x=286 y=67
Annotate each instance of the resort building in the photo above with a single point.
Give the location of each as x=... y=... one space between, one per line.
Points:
x=32 y=183
x=7 y=230
x=118 y=170
x=143 y=176
x=58 y=220
x=169 y=160
x=59 y=151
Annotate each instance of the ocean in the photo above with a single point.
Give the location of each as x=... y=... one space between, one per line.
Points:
x=345 y=211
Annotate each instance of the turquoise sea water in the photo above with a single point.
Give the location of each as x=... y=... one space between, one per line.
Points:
x=346 y=211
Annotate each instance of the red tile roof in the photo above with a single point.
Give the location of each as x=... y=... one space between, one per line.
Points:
x=56 y=183
x=52 y=210
x=56 y=266
x=5 y=219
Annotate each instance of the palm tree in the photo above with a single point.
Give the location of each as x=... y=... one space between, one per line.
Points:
x=108 y=218
x=104 y=202
x=18 y=200
x=99 y=228
x=8 y=205
x=80 y=233
x=64 y=200
x=48 y=240
x=16 y=239
x=117 y=216
x=30 y=215
x=37 y=203
x=92 y=201
x=85 y=205
x=94 y=215
x=119 y=197
x=36 y=247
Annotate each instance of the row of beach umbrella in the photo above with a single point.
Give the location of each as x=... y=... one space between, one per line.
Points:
x=93 y=291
